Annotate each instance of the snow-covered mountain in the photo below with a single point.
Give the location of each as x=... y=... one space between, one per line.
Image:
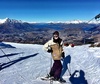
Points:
x=18 y=31
x=55 y=22
x=26 y=63
x=8 y=20
x=80 y=21
x=14 y=26
x=74 y=22
x=3 y=20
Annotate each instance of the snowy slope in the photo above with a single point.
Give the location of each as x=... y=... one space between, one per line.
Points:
x=29 y=62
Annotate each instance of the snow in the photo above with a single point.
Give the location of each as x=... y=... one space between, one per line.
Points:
x=74 y=21
x=3 y=20
x=27 y=63
x=10 y=20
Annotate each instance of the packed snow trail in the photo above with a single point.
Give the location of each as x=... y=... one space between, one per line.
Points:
x=32 y=62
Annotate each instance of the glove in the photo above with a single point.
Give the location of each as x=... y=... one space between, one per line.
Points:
x=49 y=50
x=63 y=55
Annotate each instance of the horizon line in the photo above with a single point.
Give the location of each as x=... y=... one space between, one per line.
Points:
x=62 y=21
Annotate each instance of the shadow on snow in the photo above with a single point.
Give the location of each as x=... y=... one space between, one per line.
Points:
x=5 y=65
x=12 y=54
x=78 y=77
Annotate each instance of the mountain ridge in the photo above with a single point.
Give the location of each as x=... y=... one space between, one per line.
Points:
x=12 y=30
x=76 y=21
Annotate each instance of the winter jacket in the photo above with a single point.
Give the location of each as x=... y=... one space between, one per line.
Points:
x=57 y=49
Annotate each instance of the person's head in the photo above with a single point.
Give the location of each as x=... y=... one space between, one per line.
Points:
x=56 y=35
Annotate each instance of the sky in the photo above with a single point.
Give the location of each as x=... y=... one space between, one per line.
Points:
x=49 y=10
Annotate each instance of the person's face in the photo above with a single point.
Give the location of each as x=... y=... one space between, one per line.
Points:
x=55 y=36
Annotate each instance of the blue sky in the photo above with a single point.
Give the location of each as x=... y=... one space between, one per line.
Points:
x=49 y=10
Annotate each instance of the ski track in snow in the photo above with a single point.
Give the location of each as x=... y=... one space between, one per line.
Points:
x=29 y=62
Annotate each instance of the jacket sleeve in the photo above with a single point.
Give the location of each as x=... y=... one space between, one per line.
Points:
x=62 y=44
x=46 y=45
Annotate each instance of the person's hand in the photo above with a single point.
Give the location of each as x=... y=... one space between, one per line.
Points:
x=63 y=55
x=49 y=50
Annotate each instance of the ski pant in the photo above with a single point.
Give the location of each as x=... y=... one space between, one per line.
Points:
x=56 y=69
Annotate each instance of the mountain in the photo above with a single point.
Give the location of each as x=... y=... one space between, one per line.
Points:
x=17 y=26
x=18 y=31
x=75 y=22
x=66 y=22
x=72 y=31
x=3 y=20
x=14 y=26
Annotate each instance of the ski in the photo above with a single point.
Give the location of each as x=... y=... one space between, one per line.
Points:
x=44 y=78
x=52 y=81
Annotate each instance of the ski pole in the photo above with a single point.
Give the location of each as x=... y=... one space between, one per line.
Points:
x=51 y=81
x=69 y=71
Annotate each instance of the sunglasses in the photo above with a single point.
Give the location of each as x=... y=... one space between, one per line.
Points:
x=55 y=36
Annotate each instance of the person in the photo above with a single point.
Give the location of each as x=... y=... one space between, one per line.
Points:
x=55 y=47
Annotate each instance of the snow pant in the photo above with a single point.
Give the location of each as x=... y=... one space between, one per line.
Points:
x=56 y=69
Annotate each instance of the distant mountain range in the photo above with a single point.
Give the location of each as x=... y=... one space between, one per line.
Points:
x=19 y=31
x=67 y=22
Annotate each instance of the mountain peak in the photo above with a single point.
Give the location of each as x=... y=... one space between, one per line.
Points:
x=8 y=20
x=3 y=20
x=74 y=21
